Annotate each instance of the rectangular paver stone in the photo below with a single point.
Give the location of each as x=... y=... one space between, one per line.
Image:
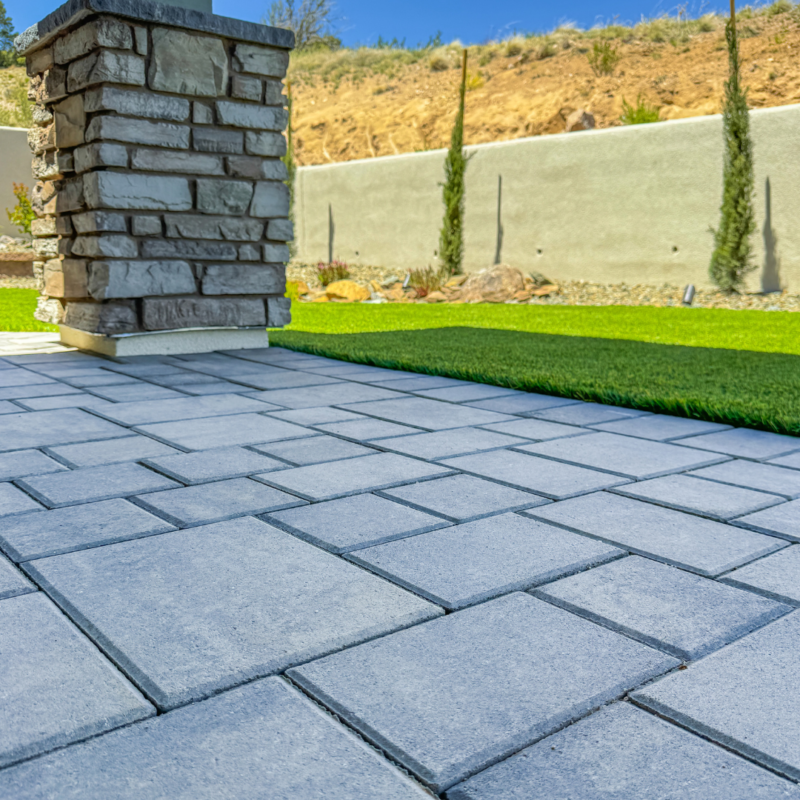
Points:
x=586 y=413
x=752 y=475
x=660 y=427
x=523 y=403
x=744 y=697
x=623 y=455
x=746 y=443
x=190 y=613
x=202 y=467
x=624 y=752
x=263 y=737
x=63 y=530
x=683 y=614
x=683 y=540
x=329 y=395
x=94 y=483
x=111 y=451
x=150 y=411
x=449 y=443
x=314 y=415
x=469 y=563
x=450 y=697
x=314 y=450
x=792 y=461
x=432 y=415
x=366 y=429
x=466 y=393
x=549 y=478
x=57 y=687
x=782 y=520
x=22 y=463
x=12 y=581
x=536 y=429
x=136 y=393
x=62 y=426
x=14 y=501
x=776 y=576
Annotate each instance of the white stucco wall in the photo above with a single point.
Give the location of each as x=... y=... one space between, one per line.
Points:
x=631 y=204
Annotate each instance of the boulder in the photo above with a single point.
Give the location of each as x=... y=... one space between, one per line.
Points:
x=579 y=120
x=497 y=284
x=347 y=290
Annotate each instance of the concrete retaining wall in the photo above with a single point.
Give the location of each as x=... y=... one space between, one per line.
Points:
x=630 y=204
x=15 y=167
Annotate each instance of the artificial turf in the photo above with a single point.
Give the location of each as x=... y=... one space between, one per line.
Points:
x=16 y=311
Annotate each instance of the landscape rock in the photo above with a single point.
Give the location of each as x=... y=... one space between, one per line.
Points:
x=579 y=120
x=494 y=285
x=347 y=290
x=185 y=64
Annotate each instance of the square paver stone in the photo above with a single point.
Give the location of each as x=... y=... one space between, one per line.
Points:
x=782 y=520
x=366 y=429
x=536 y=429
x=261 y=740
x=448 y=698
x=432 y=415
x=12 y=581
x=94 y=483
x=136 y=393
x=314 y=450
x=62 y=530
x=21 y=377
x=7 y=407
x=660 y=427
x=624 y=753
x=709 y=499
x=212 y=432
x=353 y=476
x=217 y=465
x=683 y=614
x=111 y=451
x=623 y=455
x=22 y=463
x=752 y=475
x=449 y=443
x=522 y=403
x=463 y=394
x=541 y=475
x=461 y=498
x=14 y=501
x=333 y=394
x=190 y=613
x=61 y=426
x=215 y=502
x=469 y=563
x=57 y=687
x=587 y=413
x=315 y=415
x=746 y=443
x=683 y=540
x=79 y=400
x=792 y=461
x=42 y=390
x=776 y=576
x=354 y=522
x=744 y=697
x=414 y=383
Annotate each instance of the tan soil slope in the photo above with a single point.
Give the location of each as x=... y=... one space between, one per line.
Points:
x=368 y=103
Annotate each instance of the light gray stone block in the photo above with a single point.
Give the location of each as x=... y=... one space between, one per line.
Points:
x=62 y=426
x=243 y=279
x=110 y=318
x=279 y=230
x=746 y=443
x=461 y=498
x=137 y=192
x=111 y=451
x=587 y=413
x=266 y=734
x=26 y=462
x=14 y=501
x=181 y=63
x=776 y=576
x=94 y=483
x=222 y=464
x=314 y=450
x=103 y=32
x=121 y=279
x=245 y=88
x=279 y=312
x=223 y=197
x=350 y=523
x=186 y=226
x=105 y=67
x=57 y=688
x=706 y=498
x=249 y=252
x=782 y=520
x=145 y=412
x=719 y=698
x=138 y=131
x=182 y=248
x=699 y=545
x=227 y=431
x=137 y=104
x=792 y=461
x=70 y=122
x=522 y=471
x=163 y=314
x=660 y=427
x=365 y=430
x=101 y=221
x=142 y=225
x=752 y=475
x=243 y=600
x=330 y=395
x=473 y=562
x=536 y=429
x=263 y=143
x=449 y=443
x=453 y=696
x=274 y=253
x=624 y=752
x=218 y=141
x=274 y=170
x=624 y=455
x=217 y=502
x=356 y=475
x=12 y=582
x=523 y=403
x=166 y=161
x=683 y=614
x=271 y=199
x=248 y=115
x=260 y=60
x=108 y=246
x=63 y=530
x=100 y=155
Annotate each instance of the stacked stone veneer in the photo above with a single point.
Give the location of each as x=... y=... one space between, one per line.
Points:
x=160 y=195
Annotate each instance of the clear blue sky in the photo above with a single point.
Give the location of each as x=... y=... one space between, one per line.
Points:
x=470 y=21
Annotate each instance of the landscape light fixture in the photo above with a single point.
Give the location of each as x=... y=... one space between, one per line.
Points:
x=688 y=295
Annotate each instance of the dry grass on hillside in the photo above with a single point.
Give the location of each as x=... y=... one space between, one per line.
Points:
x=15 y=109
x=371 y=102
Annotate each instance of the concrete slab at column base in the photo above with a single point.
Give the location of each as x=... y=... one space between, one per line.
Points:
x=177 y=342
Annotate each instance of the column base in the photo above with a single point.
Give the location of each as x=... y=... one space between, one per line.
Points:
x=164 y=343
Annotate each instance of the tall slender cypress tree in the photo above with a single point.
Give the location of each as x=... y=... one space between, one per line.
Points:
x=732 y=257
x=288 y=159
x=451 y=238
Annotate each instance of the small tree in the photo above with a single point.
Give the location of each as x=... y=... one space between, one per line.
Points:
x=6 y=29
x=451 y=238
x=731 y=259
x=288 y=159
x=310 y=21
x=22 y=214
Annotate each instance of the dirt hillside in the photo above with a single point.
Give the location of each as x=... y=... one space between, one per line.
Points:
x=351 y=104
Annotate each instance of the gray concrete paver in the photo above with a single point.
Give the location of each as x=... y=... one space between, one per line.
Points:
x=12 y=581
x=22 y=463
x=60 y=426
x=776 y=576
x=746 y=443
x=433 y=415
x=449 y=443
x=587 y=413
x=333 y=394
x=536 y=429
x=110 y=451
x=523 y=404
x=367 y=429
x=314 y=450
x=782 y=520
x=14 y=501
x=221 y=464
x=660 y=427
x=792 y=461
x=753 y=475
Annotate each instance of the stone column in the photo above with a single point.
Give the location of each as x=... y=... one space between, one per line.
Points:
x=162 y=212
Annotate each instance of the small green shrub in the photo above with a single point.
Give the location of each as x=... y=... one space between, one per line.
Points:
x=779 y=7
x=640 y=114
x=334 y=271
x=603 y=57
x=22 y=214
x=425 y=281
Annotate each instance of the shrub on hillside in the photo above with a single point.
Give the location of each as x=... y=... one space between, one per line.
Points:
x=603 y=57
x=640 y=114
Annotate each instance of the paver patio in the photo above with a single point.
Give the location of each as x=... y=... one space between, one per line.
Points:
x=499 y=595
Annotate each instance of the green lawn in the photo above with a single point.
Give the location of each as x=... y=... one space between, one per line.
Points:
x=16 y=311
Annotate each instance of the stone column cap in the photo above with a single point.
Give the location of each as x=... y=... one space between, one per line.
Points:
x=145 y=11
